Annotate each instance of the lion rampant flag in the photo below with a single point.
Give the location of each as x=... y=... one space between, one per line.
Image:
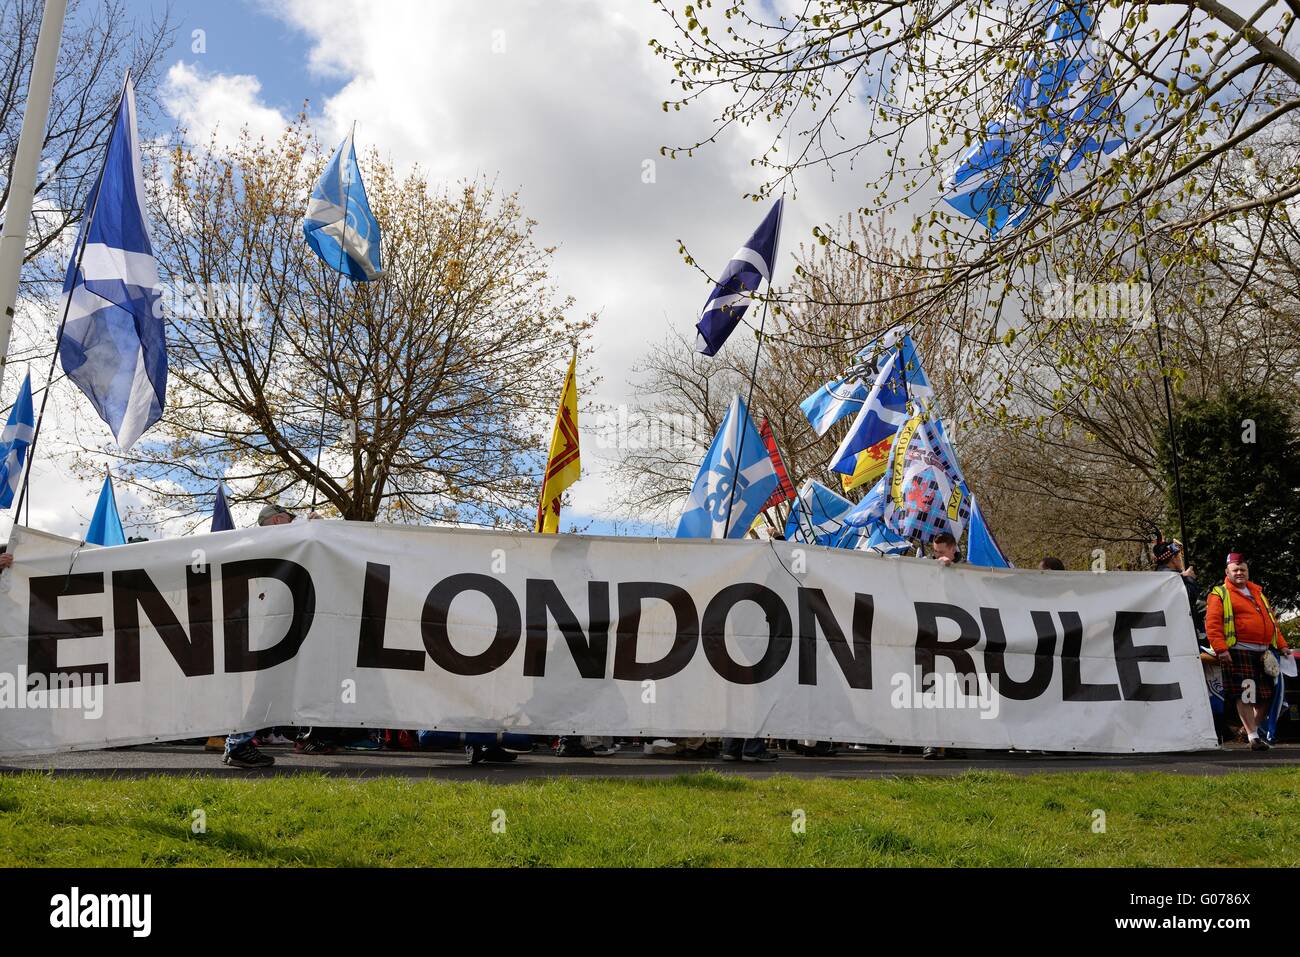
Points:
x=564 y=465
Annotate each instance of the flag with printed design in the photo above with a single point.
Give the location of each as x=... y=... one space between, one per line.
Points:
x=339 y=225
x=735 y=479
x=564 y=464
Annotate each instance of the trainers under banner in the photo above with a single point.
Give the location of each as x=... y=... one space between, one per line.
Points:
x=307 y=746
x=763 y=756
x=605 y=750
x=363 y=744
x=247 y=756
x=1258 y=744
x=569 y=750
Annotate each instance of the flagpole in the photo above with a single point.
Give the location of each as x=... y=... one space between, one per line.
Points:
x=18 y=209
x=320 y=438
x=67 y=305
x=753 y=373
x=1164 y=375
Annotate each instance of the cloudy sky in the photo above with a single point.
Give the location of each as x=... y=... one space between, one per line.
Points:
x=560 y=99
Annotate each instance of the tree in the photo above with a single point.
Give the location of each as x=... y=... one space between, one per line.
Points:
x=903 y=89
x=1241 y=488
x=433 y=386
x=99 y=44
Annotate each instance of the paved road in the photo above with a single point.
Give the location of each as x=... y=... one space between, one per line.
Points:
x=449 y=765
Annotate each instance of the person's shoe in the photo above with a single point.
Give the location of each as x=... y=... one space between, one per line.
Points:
x=605 y=750
x=275 y=739
x=247 y=756
x=474 y=753
x=495 y=754
x=308 y=746
x=215 y=743
x=363 y=744
x=729 y=756
x=661 y=746
x=568 y=749
x=763 y=756
x=1258 y=744
x=933 y=754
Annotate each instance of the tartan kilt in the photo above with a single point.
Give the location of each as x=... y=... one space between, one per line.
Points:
x=1247 y=664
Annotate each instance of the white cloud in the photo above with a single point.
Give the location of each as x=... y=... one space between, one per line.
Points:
x=216 y=104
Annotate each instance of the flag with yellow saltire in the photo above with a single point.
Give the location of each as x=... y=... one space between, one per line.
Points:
x=564 y=465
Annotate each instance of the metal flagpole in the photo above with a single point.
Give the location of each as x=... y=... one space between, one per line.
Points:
x=67 y=305
x=343 y=251
x=22 y=180
x=1169 y=402
x=753 y=372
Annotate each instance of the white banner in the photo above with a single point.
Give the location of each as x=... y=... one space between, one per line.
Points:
x=348 y=624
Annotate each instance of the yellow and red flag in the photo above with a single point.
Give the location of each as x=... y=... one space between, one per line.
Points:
x=564 y=465
x=871 y=464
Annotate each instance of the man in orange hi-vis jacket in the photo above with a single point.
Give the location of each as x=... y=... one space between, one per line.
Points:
x=1244 y=632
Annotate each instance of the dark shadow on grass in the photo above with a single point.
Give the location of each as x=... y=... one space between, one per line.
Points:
x=250 y=848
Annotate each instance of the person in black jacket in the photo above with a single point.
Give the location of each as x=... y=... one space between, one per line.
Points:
x=1169 y=558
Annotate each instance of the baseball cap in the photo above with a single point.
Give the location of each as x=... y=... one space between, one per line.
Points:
x=269 y=512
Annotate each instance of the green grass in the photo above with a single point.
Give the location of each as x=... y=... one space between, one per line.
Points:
x=697 y=820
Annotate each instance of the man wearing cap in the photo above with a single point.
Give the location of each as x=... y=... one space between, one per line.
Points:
x=240 y=750
x=1169 y=558
x=1242 y=629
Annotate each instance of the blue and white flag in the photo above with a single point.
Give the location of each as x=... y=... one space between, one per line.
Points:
x=981 y=546
x=817 y=515
x=14 y=441
x=1059 y=111
x=113 y=345
x=881 y=415
x=711 y=496
x=221 y=520
x=339 y=224
x=844 y=396
x=738 y=284
x=106 y=525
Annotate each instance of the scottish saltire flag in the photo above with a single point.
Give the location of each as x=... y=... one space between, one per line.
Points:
x=14 y=441
x=843 y=396
x=339 y=224
x=981 y=547
x=221 y=520
x=817 y=515
x=106 y=525
x=113 y=345
x=1059 y=111
x=754 y=481
x=738 y=284
x=881 y=415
